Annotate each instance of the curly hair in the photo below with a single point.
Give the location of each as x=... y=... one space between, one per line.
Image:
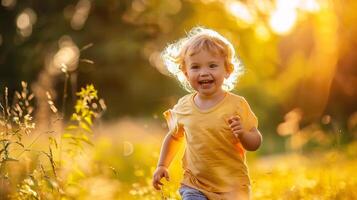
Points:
x=197 y=39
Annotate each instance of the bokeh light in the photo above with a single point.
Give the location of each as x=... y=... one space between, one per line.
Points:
x=25 y=21
x=242 y=13
x=299 y=79
x=283 y=20
x=8 y=3
x=67 y=56
x=80 y=14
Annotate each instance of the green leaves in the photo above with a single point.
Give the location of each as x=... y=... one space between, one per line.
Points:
x=81 y=122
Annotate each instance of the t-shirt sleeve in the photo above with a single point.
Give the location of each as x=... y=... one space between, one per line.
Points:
x=174 y=128
x=250 y=119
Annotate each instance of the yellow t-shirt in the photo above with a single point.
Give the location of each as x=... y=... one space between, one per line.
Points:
x=214 y=160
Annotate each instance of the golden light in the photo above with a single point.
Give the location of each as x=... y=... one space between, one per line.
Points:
x=156 y=61
x=291 y=123
x=284 y=18
x=282 y=21
x=240 y=11
x=8 y=3
x=138 y=6
x=309 y=5
x=80 y=14
x=67 y=57
x=25 y=21
x=128 y=148
x=262 y=32
x=326 y=119
x=175 y=6
x=263 y=6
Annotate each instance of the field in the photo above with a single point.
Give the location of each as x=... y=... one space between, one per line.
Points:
x=122 y=159
x=83 y=85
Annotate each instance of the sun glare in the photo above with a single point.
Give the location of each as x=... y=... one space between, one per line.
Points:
x=282 y=21
x=240 y=11
x=282 y=15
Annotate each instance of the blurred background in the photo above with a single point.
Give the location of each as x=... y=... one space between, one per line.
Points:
x=300 y=73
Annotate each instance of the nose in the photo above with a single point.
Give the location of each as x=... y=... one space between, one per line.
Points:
x=204 y=72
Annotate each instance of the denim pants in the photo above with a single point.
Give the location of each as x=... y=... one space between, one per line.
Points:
x=188 y=193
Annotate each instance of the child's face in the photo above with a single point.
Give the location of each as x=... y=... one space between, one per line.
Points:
x=206 y=72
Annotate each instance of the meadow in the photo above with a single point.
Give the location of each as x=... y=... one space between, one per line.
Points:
x=63 y=138
x=86 y=158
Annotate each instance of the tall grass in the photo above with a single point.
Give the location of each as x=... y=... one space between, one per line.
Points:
x=43 y=179
x=118 y=162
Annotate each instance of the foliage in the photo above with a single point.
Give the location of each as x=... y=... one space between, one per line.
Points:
x=87 y=107
x=17 y=123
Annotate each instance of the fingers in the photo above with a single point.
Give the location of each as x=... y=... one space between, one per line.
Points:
x=237 y=133
x=157 y=185
x=157 y=177
x=233 y=119
x=166 y=174
x=235 y=125
x=156 y=182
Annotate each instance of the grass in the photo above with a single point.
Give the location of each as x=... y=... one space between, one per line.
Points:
x=116 y=160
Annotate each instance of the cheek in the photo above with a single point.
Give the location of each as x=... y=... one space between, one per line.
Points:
x=190 y=77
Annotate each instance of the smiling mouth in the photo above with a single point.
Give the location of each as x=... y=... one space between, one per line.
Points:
x=203 y=82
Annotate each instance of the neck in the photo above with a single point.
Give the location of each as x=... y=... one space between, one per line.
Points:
x=218 y=95
x=207 y=101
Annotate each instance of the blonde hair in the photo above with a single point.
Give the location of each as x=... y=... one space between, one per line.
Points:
x=197 y=39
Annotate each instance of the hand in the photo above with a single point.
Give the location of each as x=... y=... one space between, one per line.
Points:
x=159 y=173
x=236 y=126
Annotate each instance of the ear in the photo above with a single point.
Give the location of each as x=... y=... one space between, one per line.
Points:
x=228 y=72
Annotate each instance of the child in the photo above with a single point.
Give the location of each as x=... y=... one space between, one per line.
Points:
x=218 y=126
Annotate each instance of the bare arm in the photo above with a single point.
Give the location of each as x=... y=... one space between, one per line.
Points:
x=169 y=149
x=251 y=140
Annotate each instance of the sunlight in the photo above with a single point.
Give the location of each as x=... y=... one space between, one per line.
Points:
x=291 y=123
x=282 y=21
x=67 y=55
x=81 y=14
x=262 y=32
x=8 y=3
x=24 y=22
x=240 y=11
x=295 y=67
x=284 y=18
x=156 y=61
x=309 y=5
x=128 y=148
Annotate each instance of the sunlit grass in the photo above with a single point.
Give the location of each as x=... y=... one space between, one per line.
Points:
x=108 y=171
x=116 y=160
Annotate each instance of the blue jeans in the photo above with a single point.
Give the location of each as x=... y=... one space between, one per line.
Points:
x=188 y=193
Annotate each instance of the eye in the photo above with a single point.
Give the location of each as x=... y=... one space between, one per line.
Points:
x=213 y=65
x=194 y=67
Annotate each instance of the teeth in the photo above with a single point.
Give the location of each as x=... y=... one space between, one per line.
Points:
x=205 y=81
